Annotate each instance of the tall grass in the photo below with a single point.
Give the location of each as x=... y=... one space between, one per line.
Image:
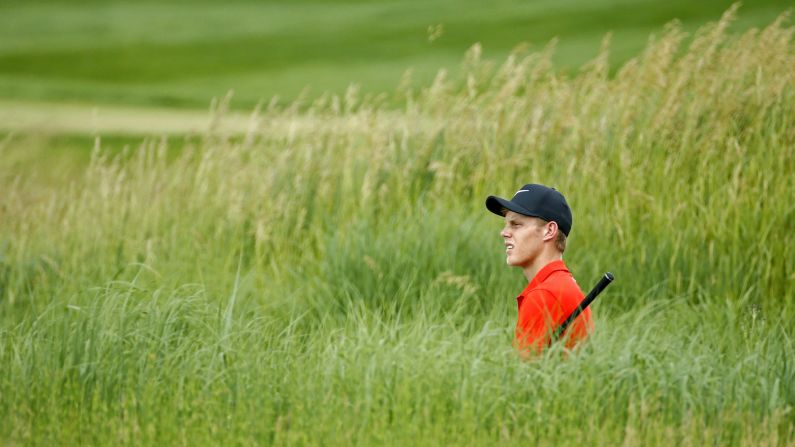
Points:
x=332 y=277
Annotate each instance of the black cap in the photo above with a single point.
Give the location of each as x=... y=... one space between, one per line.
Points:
x=536 y=201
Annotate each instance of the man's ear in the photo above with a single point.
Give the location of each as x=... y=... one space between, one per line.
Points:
x=551 y=230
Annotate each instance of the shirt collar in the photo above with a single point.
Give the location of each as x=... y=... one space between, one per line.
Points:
x=542 y=275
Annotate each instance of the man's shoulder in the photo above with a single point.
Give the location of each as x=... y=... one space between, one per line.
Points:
x=560 y=283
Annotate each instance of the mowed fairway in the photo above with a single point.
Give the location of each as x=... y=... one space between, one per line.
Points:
x=180 y=53
x=325 y=272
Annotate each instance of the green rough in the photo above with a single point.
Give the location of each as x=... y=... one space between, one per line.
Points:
x=332 y=277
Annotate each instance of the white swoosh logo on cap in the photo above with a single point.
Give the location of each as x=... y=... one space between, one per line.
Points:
x=521 y=190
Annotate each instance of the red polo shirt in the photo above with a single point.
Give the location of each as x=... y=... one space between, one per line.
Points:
x=543 y=305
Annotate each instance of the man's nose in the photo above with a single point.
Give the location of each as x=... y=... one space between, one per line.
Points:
x=504 y=233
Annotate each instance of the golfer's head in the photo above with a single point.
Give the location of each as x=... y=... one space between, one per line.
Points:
x=537 y=219
x=527 y=237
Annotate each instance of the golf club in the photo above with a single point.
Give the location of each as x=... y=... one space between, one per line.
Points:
x=604 y=282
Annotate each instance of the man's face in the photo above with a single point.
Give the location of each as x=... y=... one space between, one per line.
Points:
x=523 y=236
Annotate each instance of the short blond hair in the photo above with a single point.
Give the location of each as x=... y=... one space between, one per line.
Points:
x=560 y=240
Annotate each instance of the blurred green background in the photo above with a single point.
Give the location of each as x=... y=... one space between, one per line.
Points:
x=183 y=53
x=329 y=276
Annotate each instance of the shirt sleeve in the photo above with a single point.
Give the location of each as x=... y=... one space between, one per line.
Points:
x=538 y=318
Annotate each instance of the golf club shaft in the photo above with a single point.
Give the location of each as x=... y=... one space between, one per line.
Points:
x=604 y=282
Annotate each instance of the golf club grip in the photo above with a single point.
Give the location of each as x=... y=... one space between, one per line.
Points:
x=604 y=282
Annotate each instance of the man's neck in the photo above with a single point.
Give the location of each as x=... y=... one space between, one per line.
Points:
x=543 y=259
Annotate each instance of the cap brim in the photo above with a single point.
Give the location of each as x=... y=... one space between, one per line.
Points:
x=497 y=204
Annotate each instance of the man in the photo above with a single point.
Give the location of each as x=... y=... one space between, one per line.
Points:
x=537 y=223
